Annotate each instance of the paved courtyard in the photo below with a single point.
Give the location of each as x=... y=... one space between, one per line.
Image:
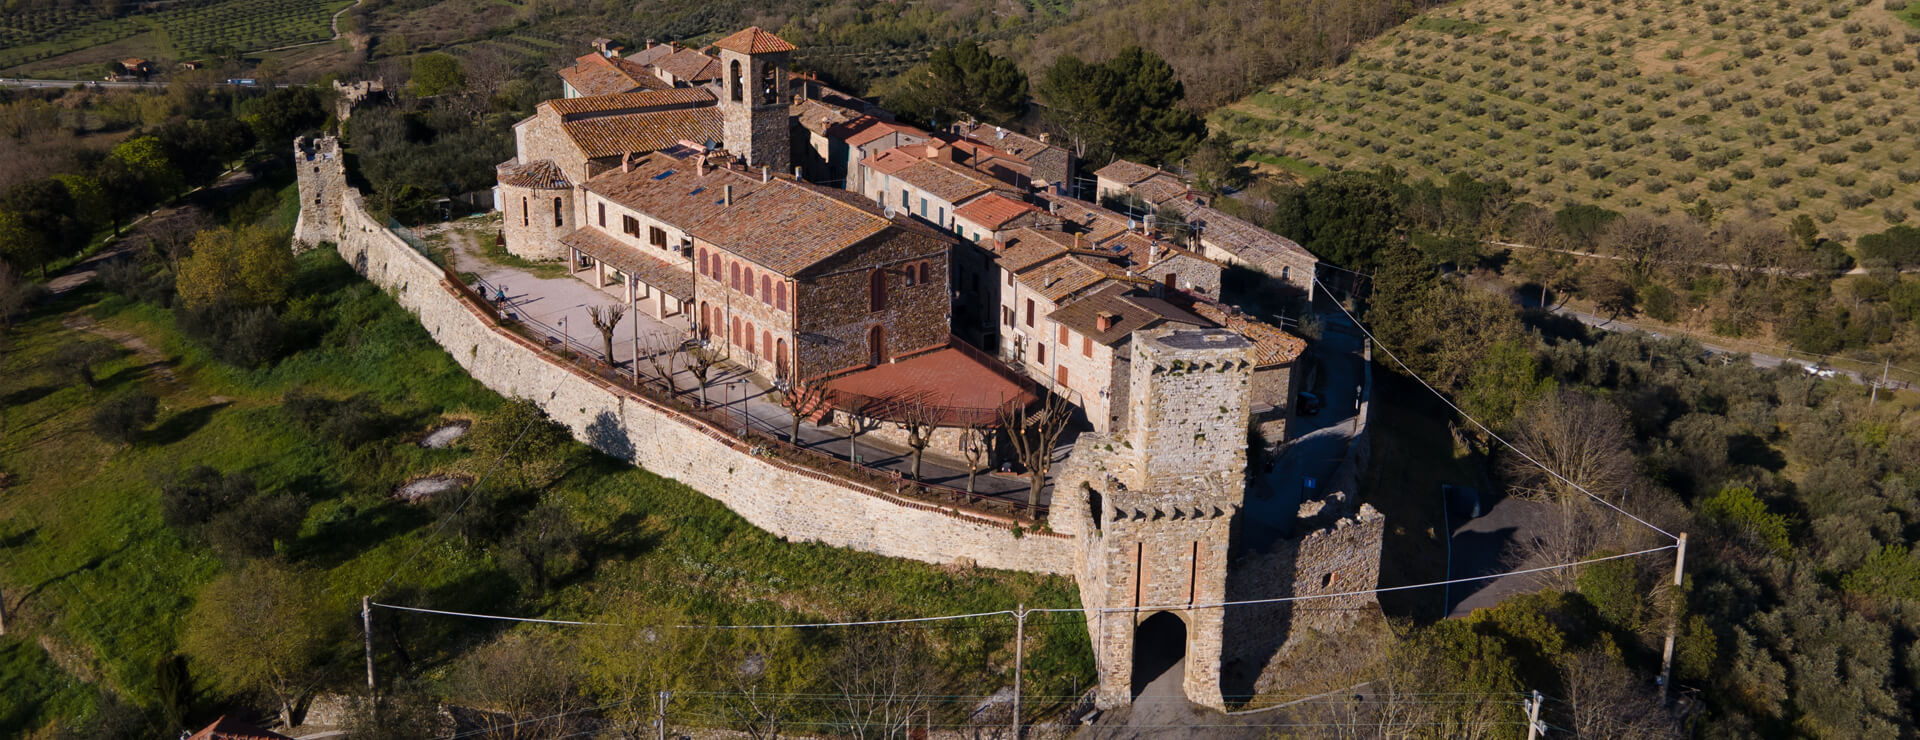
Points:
x=558 y=309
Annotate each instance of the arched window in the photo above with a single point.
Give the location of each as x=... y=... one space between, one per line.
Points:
x=877 y=290
x=769 y=84
x=780 y=295
x=525 y=213
x=780 y=357
x=746 y=274
x=912 y=277
x=736 y=331
x=1284 y=270
x=733 y=274
x=766 y=289
x=749 y=338
x=876 y=345
x=923 y=273
x=703 y=262
x=766 y=341
x=736 y=81
x=706 y=322
x=556 y=213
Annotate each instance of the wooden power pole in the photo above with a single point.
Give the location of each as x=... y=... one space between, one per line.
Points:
x=366 y=634
x=1673 y=620
x=1019 y=657
x=1534 y=728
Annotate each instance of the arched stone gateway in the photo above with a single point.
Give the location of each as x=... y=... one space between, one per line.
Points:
x=1159 y=644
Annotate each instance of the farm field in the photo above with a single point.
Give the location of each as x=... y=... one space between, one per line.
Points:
x=1789 y=106
x=63 y=40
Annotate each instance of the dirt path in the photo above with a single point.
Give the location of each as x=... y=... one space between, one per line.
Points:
x=150 y=358
x=130 y=239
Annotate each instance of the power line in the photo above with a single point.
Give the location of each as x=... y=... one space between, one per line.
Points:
x=1476 y=422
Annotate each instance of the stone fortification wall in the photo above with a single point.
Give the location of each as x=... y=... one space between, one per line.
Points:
x=1340 y=556
x=781 y=498
x=323 y=181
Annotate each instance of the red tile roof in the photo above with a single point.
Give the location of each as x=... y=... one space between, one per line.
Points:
x=614 y=135
x=993 y=210
x=542 y=174
x=593 y=74
x=754 y=41
x=691 y=65
x=673 y=279
x=228 y=728
x=947 y=378
x=1271 y=344
x=1125 y=172
x=631 y=102
x=869 y=129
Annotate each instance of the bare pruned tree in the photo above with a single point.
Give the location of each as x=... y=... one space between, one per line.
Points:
x=604 y=319
x=883 y=682
x=795 y=400
x=661 y=347
x=973 y=444
x=917 y=418
x=1583 y=441
x=1033 y=433
x=856 y=423
x=700 y=362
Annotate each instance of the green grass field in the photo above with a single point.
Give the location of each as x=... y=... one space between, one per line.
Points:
x=106 y=585
x=1793 y=106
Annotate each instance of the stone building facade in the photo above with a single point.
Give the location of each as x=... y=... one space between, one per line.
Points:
x=536 y=203
x=753 y=102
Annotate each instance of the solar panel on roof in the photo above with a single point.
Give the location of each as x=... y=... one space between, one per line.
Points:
x=663 y=175
x=696 y=191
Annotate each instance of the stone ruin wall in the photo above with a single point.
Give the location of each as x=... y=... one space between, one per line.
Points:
x=786 y=500
x=322 y=178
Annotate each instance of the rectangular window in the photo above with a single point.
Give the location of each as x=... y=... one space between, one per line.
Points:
x=658 y=236
x=941 y=217
x=1040 y=352
x=1063 y=336
x=1061 y=373
x=630 y=226
x=1086 y=346
x=1009 y=277
x=1029 y=312
x=903 y=200
x=603 y=215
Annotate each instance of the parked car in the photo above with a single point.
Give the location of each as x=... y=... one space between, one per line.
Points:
x=1307 y=404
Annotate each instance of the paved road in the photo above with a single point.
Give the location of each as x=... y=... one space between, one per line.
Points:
x=560 y=305
x=1758 y=359
x=1318 y=442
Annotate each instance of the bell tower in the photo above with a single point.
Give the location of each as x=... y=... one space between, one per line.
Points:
x=753 y=105
x=1154 y=505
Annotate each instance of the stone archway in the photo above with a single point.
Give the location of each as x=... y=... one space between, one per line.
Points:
x=1159 y=644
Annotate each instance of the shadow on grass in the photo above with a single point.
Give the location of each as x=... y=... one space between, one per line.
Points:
x=1413 y=454
x=422 y=641
x=181 y=425
x=340 y=541
x=27 y=395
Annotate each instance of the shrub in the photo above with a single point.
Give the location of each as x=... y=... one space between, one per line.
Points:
x=243 y=337
x=74 y=362
x=121 y=419
x=1744 y=518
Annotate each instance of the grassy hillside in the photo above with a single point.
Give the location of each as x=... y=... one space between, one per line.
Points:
x=73 y=42
x=100 y=585
x=1793 y=106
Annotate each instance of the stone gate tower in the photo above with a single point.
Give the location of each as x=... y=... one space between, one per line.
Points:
x=322 y=180
x=753 y=109
x=1154 y=507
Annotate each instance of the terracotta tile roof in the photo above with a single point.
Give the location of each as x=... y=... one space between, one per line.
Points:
x=891 y=161
x=674 y=280
x=1064 y=276
x=754 y=41
x=1160 y=189
x=593 y=74
x=993 y=210
x=1271 y=344
x=945 y=180
x=868 y=129
x=783 y=225
x=1100 y=224
x=1026 y=247
x=228 y=728
x=820 y=117
x=1019 y=145
x=1125 y=172
x=650 y=54
x=1130 y=313
x=788 y=227
x=611 y=136
x=1257 y=246
x=947 y=379
x=690 y=65
x=542 y=174
x=631 y=102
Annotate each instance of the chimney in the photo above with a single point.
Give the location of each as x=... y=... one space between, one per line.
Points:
x=626 y=162
x=726 y=195
x=1104 y=322
x=796 y=173
x=933 y=150
x=1046 y=138
x=700 y=166
x=766 y=174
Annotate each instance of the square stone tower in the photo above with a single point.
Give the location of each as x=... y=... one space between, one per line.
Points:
x=753 y=106
x=1155 y=506
x=322 y=178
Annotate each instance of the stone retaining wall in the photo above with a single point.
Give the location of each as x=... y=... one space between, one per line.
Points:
x=785 y=499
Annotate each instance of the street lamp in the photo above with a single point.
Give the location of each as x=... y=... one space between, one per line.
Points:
x=746 y=418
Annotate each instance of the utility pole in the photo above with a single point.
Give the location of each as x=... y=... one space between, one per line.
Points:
x=366 y=632
x=1673 y=621
x=1019 y=657
x=1534 y=727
